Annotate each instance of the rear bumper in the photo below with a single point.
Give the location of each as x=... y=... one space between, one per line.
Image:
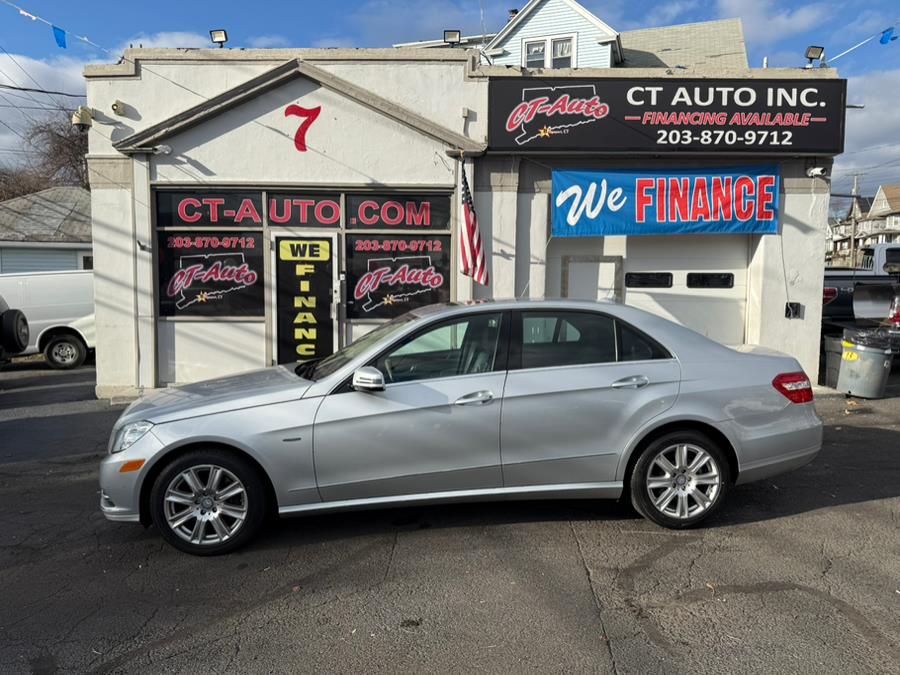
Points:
x=771 y=444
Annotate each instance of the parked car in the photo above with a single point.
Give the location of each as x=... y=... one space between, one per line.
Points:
x=860 y=297
x=59 y=307
x=13 y=331
x=497 y=400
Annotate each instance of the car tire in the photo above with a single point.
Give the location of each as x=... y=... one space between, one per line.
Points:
x=65 y=352
x=13 y=331
x=679 y=488
x=210 y=523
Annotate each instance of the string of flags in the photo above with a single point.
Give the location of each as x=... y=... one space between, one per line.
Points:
x=60 y=35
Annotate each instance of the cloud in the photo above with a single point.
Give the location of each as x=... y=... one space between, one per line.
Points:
x=267 y=41
x=659 y=14
x=873 y=134
x=336 y=41
x=181 y=39
x=766 y=23
x=21 y=108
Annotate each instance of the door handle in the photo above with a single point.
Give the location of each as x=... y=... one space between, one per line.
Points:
x=635 y=382
x=475 y=398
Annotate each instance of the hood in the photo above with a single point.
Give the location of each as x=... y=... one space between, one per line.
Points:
x=246 y=390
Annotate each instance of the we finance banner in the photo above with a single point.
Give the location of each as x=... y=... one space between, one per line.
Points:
x=635 y=202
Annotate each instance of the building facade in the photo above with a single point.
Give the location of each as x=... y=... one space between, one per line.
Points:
x=255 y=207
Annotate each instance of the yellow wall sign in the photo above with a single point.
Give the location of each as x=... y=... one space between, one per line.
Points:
x=304 y=250
x=304 y=286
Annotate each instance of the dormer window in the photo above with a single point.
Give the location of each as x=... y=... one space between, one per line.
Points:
x=556 y=51
x=535 y=54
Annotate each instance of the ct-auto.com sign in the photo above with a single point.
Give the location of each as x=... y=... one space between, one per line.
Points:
x=791 y=117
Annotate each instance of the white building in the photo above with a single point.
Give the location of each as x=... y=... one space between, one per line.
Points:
x=258 y=206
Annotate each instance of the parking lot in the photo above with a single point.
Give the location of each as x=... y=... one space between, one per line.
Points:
x=796 y=574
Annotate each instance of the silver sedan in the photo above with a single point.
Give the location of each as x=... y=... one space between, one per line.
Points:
x=498 y=400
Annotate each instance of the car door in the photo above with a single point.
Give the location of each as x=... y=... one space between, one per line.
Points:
x=436 y=425
x=579 y=385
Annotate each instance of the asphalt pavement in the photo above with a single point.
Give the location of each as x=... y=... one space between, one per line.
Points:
x=796 y=574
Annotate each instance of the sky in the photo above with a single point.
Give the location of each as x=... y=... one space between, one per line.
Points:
x=778 y=29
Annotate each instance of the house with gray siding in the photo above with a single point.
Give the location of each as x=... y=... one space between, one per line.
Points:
x=47 y=231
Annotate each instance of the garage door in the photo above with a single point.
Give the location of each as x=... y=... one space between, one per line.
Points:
x=697 y=281
x=17 y=260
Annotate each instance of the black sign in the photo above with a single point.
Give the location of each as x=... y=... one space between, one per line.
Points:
x=389 y=275
x=216 y=209
x=431 y=212
x=210 y=273
x=304 y=282
x=304 y=210
x=769 y=117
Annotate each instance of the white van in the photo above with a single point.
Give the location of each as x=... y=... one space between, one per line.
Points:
x=59 y=307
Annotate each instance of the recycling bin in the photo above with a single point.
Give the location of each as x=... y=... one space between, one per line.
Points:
x=833 y=352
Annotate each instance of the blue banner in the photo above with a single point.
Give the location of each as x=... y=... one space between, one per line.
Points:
x=635 y=202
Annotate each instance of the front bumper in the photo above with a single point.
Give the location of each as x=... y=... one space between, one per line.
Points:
x=120 y=493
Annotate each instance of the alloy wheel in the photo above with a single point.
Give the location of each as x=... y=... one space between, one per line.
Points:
x=205 y=504
x=683 y=481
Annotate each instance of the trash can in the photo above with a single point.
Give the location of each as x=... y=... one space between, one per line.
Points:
x=865 y=363
x=833 y=353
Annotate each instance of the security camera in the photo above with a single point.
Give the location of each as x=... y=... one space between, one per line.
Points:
x=83 y=118
x=817 y=172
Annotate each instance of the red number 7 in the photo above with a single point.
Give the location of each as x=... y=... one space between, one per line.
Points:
x=309 y=116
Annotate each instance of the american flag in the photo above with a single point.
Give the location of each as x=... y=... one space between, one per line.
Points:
x=471 y=250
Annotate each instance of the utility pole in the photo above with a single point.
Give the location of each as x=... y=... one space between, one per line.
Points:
x=853 y=204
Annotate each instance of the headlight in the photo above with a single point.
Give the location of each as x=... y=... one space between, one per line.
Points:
x=130 y=434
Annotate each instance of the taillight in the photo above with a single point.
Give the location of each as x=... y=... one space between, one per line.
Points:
x=894 y=313
x=795 y=387
x=829 y=293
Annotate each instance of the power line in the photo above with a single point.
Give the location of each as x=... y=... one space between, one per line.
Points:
x=41 y=91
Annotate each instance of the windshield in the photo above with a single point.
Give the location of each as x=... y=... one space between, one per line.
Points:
x=316 y=369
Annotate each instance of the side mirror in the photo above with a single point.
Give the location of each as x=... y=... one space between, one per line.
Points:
x=368 y=378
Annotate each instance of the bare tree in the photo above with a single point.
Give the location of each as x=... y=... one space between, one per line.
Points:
x=59 y=149
x=56 y=157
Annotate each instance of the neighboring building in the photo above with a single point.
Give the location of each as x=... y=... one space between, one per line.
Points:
x=882 y=222
x=46 y=231
x=303 y=196
x=555 y=34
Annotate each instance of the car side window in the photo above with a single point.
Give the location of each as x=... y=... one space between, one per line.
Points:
x=552 y=339
x=635 y=346
x=464 y=346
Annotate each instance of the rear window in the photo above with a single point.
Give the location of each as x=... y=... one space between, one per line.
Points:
x=636 y=346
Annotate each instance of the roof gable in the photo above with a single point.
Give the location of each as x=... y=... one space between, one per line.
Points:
x=143 y=141
x=533 y=5
x=886 y=201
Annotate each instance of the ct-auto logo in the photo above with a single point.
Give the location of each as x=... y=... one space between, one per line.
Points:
x=546 y=111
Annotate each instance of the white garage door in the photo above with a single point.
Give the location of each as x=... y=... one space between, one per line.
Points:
x=700 y=281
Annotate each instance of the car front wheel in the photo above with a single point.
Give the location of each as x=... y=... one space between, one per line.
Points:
x=680 y=479
x=208 y=502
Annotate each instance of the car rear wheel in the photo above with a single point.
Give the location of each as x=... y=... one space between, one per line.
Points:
x=680 y=479
x=65 y=352
x=208 y=502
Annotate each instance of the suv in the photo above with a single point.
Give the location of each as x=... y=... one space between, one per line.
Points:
x=13 y=331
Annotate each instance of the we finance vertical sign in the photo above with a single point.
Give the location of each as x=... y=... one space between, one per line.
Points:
x=304 y=278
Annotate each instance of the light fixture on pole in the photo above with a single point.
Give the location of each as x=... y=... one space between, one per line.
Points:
x=814 y=53
x=452 y=37
x=219 y=37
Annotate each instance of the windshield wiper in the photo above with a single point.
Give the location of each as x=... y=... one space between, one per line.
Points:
x=307 y=368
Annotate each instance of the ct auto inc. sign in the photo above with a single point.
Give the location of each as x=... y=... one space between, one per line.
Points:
x=770 y=117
